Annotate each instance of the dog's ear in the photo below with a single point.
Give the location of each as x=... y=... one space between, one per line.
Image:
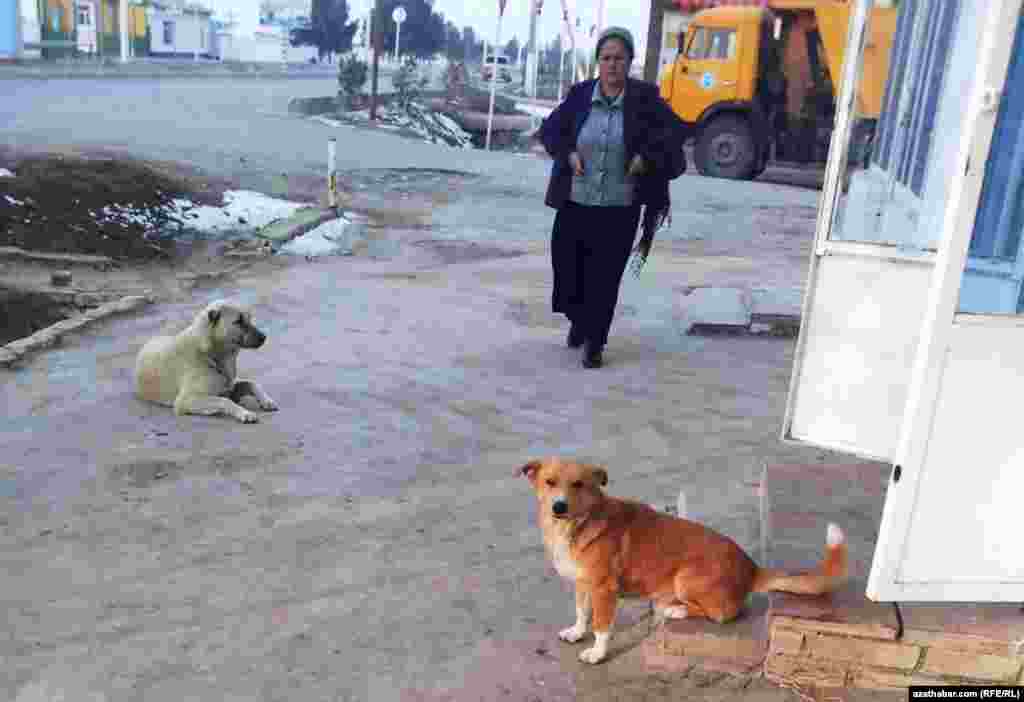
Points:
x=530 y=470
x=598 y=475
x=213 y=316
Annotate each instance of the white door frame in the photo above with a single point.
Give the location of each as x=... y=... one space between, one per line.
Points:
x=834 y=171
x=938 y=328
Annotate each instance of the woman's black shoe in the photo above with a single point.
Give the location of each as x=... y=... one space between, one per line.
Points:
x=592 y=357
x=575 y=337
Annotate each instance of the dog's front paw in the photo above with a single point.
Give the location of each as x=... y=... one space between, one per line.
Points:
x=572 y=634
x=247 y=417
x=268 y=405
x=594 y=654
x=676 y=612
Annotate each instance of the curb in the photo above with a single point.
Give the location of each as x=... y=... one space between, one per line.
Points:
x=51 y=336
x=102 y=263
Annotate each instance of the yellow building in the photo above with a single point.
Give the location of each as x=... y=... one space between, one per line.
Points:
x=89 y=27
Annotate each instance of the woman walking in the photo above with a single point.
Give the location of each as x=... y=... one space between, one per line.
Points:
x=616 y=145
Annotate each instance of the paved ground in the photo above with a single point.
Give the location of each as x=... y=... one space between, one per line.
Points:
x=370 y=541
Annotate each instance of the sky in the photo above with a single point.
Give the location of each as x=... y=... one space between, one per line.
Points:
x=482 y=15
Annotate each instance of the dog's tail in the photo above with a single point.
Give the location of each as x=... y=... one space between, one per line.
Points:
x=828 y=576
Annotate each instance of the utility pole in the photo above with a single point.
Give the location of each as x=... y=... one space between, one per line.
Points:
x=655 y=27
x=375 y=26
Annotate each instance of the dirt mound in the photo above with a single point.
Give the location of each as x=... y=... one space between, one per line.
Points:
x=103 y=206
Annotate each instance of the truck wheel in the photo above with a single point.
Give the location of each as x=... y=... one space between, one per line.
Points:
x=725 y=149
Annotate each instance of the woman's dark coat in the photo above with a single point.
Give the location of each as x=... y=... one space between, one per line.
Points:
x=650 y=128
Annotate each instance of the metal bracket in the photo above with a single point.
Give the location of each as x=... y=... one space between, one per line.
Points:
x=990 y=99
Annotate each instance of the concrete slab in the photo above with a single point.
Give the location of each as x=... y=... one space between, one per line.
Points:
x=776 y=303
x=710 y=307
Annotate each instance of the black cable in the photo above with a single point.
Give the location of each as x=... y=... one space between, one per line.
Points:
x=899 y=620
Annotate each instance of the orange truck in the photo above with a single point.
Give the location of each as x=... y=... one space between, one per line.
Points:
x=757 y=85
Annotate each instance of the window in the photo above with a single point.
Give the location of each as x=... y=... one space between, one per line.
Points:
x=722 y=44
x=168 y=32
x=1000 y=216
x=919 y=59
x=717 y=44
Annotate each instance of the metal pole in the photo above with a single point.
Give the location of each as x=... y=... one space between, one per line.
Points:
x=561 y=71
x=124 y=30
x=332 y=172
x=568 y=18
x=398 y=38
x=494 y=81
x=375 y=41
x=536 y=51
x=599 y=26
x=199 y=28
x=531 y=54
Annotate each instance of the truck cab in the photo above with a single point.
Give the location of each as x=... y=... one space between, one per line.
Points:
x=715 y=87
x=756 y=85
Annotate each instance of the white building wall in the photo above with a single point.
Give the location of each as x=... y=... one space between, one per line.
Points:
x=29 y=30
x=188 y=37
x=265 y=48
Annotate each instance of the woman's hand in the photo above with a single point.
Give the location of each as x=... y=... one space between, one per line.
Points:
x=644 y=246
x=576 y=163
x=636 y=166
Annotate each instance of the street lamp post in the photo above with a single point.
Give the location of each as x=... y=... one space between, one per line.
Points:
x=398 y=16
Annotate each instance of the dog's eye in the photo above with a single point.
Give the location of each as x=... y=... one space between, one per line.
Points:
x=577 y=484
x=551 y=481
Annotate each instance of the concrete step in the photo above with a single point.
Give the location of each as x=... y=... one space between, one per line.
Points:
x=711 y=310
x=835 y=644
x=738 y=647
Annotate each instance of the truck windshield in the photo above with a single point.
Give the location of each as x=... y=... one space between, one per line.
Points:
x=708 y=43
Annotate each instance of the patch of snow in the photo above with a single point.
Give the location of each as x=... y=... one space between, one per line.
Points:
x=4 y=173
x=329 y=238
x=242 y=208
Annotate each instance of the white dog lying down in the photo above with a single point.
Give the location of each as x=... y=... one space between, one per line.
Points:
x=195 y=371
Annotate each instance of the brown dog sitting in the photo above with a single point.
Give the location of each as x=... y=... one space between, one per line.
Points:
x=611 y=547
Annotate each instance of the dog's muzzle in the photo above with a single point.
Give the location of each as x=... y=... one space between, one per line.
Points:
x=560 y=508
x=254 y=339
